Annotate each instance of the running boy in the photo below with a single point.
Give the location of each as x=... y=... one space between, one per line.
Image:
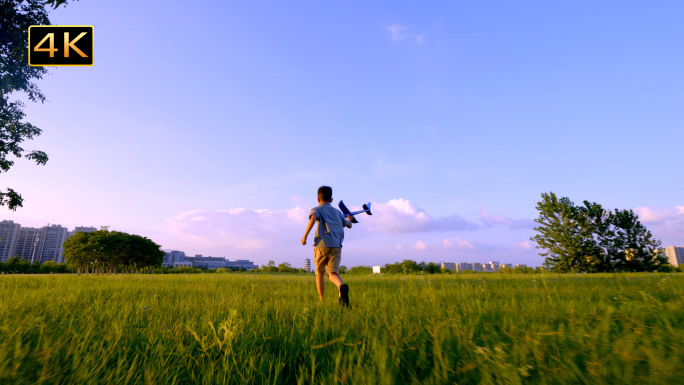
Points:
x=328 y=243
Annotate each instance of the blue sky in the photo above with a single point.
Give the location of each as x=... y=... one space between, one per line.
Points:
x=208 y=127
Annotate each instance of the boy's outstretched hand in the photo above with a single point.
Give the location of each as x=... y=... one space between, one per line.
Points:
x=304 y=241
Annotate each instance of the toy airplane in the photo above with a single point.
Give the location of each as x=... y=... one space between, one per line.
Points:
x=345 y=211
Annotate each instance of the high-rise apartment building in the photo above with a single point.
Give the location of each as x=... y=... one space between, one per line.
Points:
x=448 y=266
x=84 y=229
x=675 y=255
x=8 y=239
x=50 y=244
x=81 y=229
x=27 y=243
x=307 y=265
x=41 y=244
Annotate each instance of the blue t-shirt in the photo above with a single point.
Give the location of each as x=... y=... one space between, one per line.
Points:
x=330 y=229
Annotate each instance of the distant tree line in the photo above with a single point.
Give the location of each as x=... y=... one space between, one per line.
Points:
x=284 y=267
x=407 y=266
x=589 y=238
x=16 y=265
x=105 y=251
x=412 y=267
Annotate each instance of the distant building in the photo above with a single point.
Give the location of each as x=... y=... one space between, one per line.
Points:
x=50 y=245
x=175 y=258
x=448 y=265
x=81 y=229
x=307 y=265
x=241 y=264
x=84 y=229
x=675 y=255
x=27 y=242
x=219 y=262
x=41 y=244
x=207 y=262
x=376 y=269
x=9 y=231
x=463 y=266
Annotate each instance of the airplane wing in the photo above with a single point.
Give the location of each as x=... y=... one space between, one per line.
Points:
x=343 y=208
x=346 y=211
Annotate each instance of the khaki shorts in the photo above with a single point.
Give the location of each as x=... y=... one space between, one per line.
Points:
x=328 y=259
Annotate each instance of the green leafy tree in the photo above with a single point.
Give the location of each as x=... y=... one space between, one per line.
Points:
x=598 y=245
x=270 y=267
x=360 y=270
x=109 y=251
x=636 y=249
x=17 y=76
x=432 y=268
x=151 y=254
x=76 y=251
x=560 y=234
x=48 y=267
x=408 y=266
x=392 y=268
x=284 y=267
x=589 y=238
x=18 y=265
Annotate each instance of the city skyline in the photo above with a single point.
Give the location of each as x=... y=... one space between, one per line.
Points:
x=24 y=246
x=14 y=243
x=452 y=119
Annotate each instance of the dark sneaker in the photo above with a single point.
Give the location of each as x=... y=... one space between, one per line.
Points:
x=344 y=295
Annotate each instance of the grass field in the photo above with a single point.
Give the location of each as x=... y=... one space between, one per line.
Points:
x=250 y=328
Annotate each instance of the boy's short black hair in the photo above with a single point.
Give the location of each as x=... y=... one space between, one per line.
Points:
x=325 y=193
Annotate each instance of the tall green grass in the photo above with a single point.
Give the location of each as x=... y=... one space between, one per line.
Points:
x=271 y=329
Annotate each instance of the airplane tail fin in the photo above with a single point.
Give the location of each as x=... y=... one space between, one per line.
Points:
x=367 y=207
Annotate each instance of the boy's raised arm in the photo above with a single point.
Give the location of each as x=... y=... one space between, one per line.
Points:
x=312 y=220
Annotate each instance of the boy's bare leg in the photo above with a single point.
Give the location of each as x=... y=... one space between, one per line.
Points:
x=336 y=279
x=320 y=284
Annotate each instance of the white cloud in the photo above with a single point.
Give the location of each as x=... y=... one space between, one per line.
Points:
x=397 y=32
x=492 y=220
x=239 y=229
x=420 y=245
x=651 y=215
x=457 y=243
x=665 y=223
x=526 y=245
x=402 y=216
x=395 y=230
